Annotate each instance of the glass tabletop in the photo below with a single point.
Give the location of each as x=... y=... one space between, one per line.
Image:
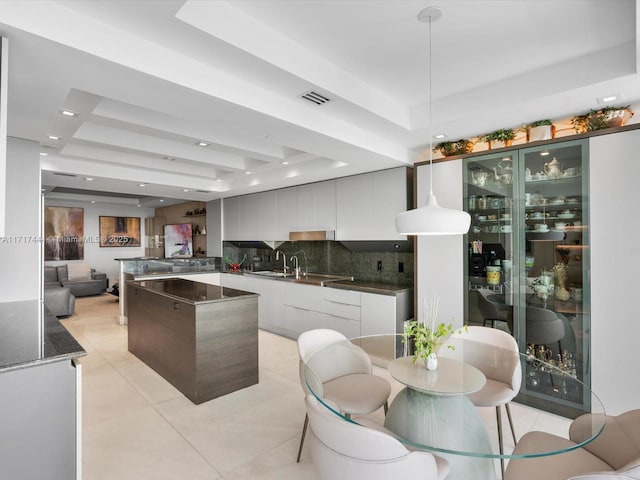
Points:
x=447 y=422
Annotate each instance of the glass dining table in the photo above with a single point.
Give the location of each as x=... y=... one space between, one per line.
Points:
x=432 y=412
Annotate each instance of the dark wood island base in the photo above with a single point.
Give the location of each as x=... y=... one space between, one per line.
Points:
x=201 y=338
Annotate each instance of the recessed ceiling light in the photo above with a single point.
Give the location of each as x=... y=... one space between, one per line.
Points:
x=218 y=179
x=202 y=144
x=142 y=184
x=93 y=201
x=161 y=200
x=42 y=154
x=68 y=113
x=138 y=205
x=285 y=163
x=440 y=136
x=53 y=137
x=169 y=158
x=247 y=173
x=609 y=98
x=89 y=179
x=185 y=189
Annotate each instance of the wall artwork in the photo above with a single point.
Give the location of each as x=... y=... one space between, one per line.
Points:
x=119 y=231
x=63 y=233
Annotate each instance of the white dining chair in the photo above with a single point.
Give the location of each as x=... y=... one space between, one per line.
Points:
x=495 y=353
x=337 y=370
x=343 y=450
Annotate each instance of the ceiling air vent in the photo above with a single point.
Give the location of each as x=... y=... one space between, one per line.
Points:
x=203 y=191
x=315 y=97
x=64 y=174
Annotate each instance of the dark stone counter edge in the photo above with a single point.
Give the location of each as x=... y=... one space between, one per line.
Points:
x=59 y=345
x=172 y=272
x=196 y=302
x=347 y=285
x=363 y=288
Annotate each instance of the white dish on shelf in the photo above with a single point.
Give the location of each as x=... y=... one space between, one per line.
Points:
x=566 y=215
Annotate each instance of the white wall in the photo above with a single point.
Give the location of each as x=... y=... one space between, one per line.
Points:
x=615 y=229
x=20 y=248
x=439 y=262
x=103 y=258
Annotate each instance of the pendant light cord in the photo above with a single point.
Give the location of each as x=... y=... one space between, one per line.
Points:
x=430 y=116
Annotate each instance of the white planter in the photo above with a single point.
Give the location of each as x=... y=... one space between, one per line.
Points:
x=431 y=362
x=542 y=132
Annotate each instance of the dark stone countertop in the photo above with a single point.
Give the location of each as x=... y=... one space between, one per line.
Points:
x=20 y=345
x=190 y=291
x=378 y=288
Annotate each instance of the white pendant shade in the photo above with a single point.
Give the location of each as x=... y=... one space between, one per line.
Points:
x=432 y=219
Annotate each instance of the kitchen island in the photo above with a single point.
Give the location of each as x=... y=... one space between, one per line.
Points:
x=201 y=338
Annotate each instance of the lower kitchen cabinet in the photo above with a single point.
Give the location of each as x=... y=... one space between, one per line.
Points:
x=269 y=302
x=289 y=308
x=384 y=313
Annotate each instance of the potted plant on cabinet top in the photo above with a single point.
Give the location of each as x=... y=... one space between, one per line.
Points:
x=606 y=117
x=500 y=138
x=459 y=147
x=428 y=337
x=540 y=130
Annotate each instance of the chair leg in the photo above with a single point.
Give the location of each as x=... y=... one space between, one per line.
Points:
x=304 y=432
x=513 y=432
x=499 y=419
x=386 y=408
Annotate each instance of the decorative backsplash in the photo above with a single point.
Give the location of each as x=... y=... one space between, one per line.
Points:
x=330 y=257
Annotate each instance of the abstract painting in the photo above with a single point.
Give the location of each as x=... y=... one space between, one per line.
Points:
x=63 y=233
x=119 y=231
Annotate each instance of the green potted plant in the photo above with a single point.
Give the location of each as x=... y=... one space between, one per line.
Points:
x=428 y=337
x=540 y=130
x=500 y=138
x=459 y=147
x=605 y=117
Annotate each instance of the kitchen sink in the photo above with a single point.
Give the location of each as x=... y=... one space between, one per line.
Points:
x=319 y=279
x=271 y=273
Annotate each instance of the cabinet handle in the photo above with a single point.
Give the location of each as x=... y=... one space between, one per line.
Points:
x=297 y=308
x=342 y=303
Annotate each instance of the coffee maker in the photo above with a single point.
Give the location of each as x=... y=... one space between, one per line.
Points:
x=492 y=253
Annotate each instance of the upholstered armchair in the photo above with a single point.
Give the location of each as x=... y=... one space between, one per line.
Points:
x=613 y=455
x=342 y=450
x=342 y=374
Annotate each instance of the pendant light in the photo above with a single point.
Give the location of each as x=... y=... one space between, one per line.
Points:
x=432 y=219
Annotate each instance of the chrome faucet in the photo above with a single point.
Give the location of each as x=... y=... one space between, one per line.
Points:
x=296 y=266
x=297 y=269
x=284 y=260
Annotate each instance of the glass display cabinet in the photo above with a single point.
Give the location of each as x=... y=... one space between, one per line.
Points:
x=527 y=262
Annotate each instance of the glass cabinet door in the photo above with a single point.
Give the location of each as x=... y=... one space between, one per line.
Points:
x=528 y=263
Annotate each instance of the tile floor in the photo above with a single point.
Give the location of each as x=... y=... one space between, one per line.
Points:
x=137 y=426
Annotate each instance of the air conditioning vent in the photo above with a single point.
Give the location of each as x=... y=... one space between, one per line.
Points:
x=315 y=97
x=65 y=174
x=203 y=191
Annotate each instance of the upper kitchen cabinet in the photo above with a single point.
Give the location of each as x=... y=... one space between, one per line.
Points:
x=306 y=208
x=250 y=217
x=368 y=204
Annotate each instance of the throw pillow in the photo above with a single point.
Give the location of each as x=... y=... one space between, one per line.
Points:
x=79 y=271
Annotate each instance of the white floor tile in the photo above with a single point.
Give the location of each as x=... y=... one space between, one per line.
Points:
x=137 y=426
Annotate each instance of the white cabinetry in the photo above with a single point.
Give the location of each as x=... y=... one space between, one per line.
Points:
x=308 y=307
x=250 y=217
x=368 y=205
x=385 y=314
x=269 y=302
x=306 y=208
x=290 y=308
x=231 y=218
